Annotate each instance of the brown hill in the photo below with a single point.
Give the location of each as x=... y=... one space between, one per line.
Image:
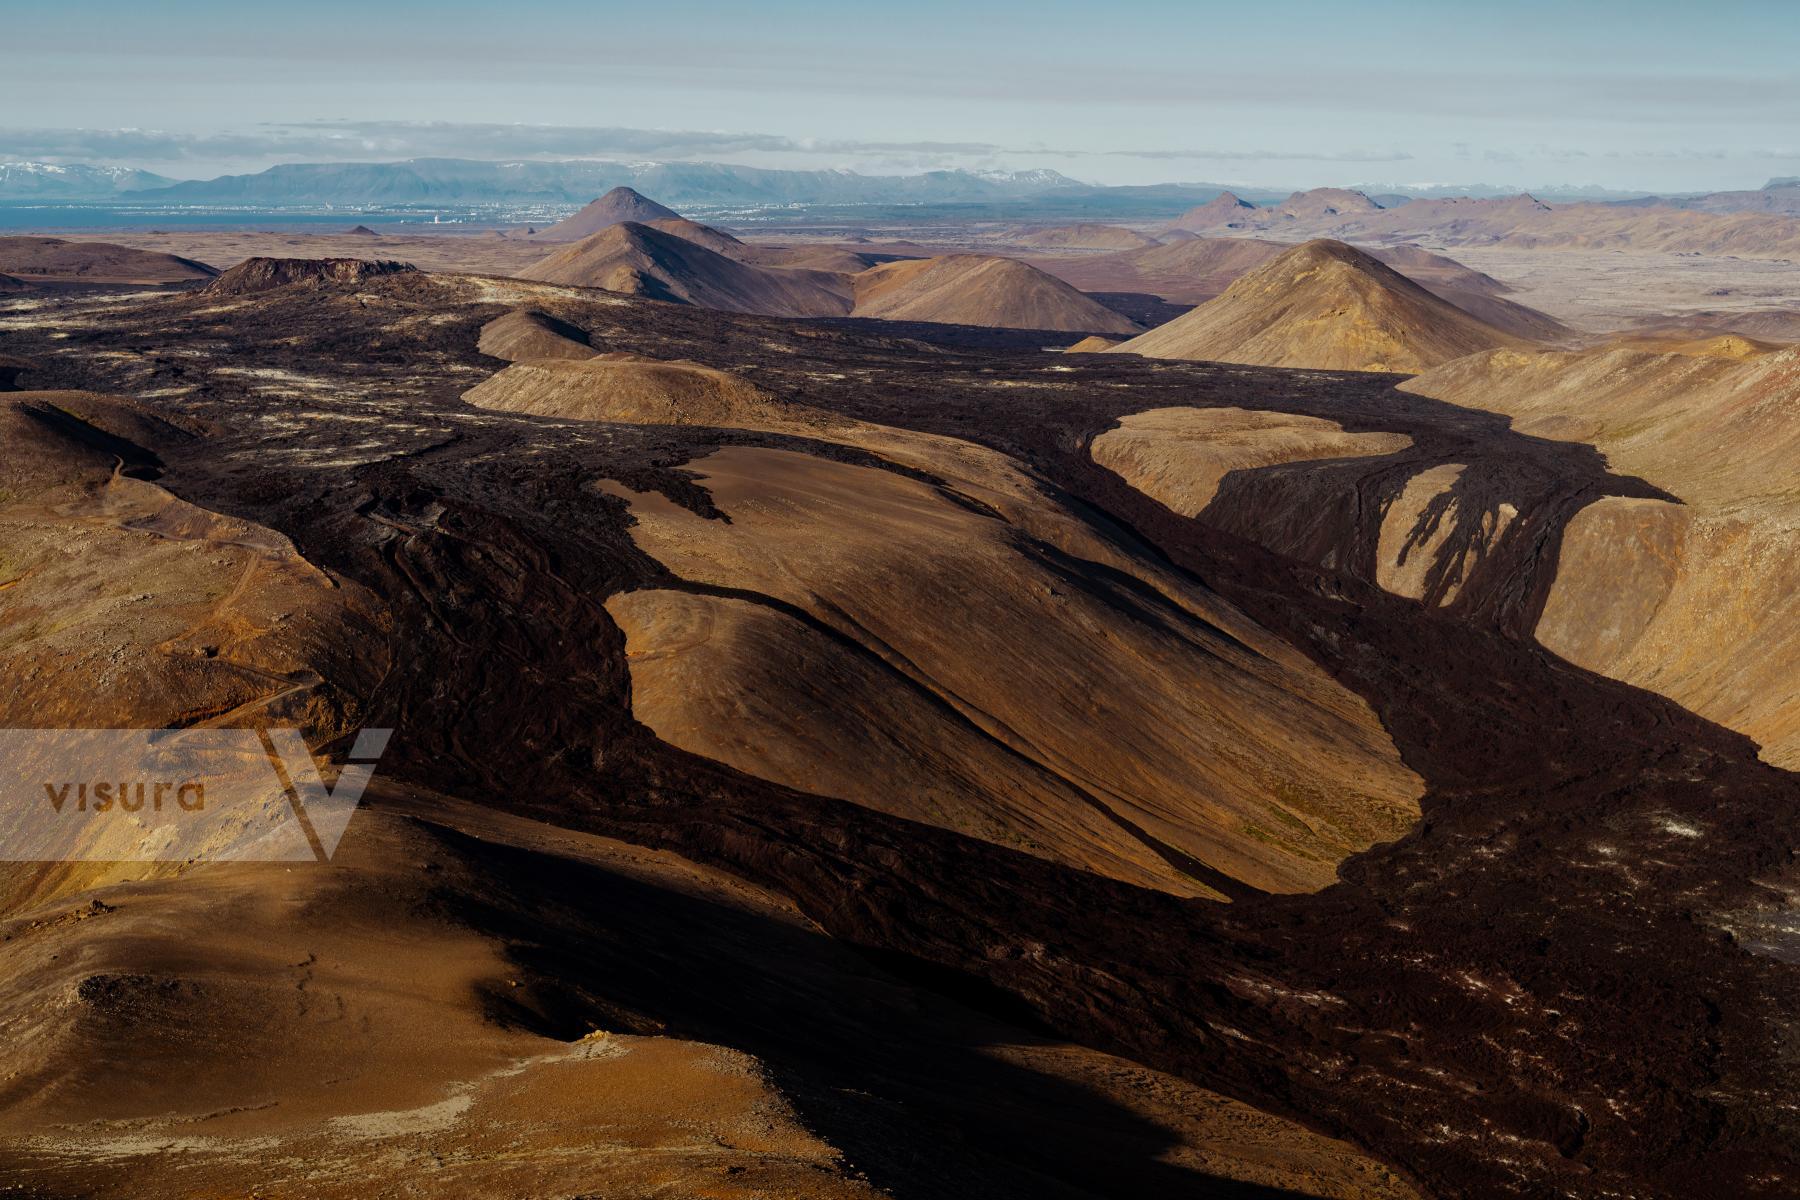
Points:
x=969 y=289
x=1087 y=237
x=262 y=274
x=641 y=261
x=617 y=206
x=624 y=387
x=978 y=289
x=1195 y=269
x=1324 y=305
x=1224 y=211
x=1320 y=203
x=1091 y=345
x=61 y=260
x=525 y=334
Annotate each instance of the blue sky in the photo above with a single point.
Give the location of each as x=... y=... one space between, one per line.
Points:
x=1654 y=94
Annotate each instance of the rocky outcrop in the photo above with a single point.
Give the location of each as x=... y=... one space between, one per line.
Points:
x=263 y=274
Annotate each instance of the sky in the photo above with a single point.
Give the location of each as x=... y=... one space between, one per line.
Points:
x=1653 y=95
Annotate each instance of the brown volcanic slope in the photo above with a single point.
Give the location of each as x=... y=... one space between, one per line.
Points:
x=705 y=235
x=617 y=206
x=1480 y=295
x=1087 y=237
x=54 y=260
x=978 y=289
x=1549 y=987
x=1195 y=270
x=188 y=616
x=624 y=387
x=364 y=1020
x=1323 y=305
x=641 y=261
x=1698 y=600
x=526 y=333
x=844 y=543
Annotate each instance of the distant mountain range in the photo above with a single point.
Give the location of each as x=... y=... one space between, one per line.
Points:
x=466 y=181
x=1779 y=196
x=1556 y=193
x=718 y=188
x=77 y=181
x=448 y=181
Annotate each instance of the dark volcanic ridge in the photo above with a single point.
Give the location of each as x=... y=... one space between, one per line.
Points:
x=262 y=274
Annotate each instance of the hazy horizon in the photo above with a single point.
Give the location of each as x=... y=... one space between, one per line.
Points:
x=1620 y=96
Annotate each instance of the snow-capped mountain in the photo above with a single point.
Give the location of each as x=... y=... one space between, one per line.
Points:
x=72 y=181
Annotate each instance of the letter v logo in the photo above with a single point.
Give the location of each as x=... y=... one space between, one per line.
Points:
x=324 y=813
